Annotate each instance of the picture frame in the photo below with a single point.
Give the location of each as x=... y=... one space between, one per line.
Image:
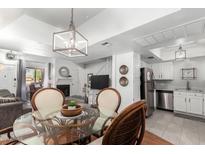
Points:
x=188 y=73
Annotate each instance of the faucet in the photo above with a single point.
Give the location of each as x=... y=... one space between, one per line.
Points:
x=188 y=85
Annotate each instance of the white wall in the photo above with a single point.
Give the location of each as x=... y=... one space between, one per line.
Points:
x=199 y=83
x=144 y=64
x=98 y=67
x=8 y=71
x=131 y=92
x=76 y=82
x=8 y=74
x=136 y=79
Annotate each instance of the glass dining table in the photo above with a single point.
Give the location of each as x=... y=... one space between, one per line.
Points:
x=52 y=129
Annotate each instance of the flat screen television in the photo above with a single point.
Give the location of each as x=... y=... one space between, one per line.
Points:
x=99 y=81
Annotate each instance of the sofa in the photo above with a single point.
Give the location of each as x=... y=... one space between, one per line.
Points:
x=10 y=108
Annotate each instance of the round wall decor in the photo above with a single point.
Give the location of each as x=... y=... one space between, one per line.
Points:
x=64 y=72
x=123 y=81
x=123 y=69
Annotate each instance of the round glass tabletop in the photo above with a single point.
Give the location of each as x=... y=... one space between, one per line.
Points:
x=53 y=128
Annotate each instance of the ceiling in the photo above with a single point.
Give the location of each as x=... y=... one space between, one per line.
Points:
x=191 y=28
x=163 y=31
x=60 y=17
x=9 y=15
x=173 y=26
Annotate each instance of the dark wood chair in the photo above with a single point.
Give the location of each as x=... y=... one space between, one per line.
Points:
x=127 y=128
x=8 y=141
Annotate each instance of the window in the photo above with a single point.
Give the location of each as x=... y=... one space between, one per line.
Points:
x=34 y=75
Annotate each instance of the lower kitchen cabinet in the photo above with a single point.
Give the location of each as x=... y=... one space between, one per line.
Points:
x=195 y=105
x=187 y=102
x=180 y=103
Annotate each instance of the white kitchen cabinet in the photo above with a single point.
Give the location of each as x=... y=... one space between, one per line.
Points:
x=163 y=71
x=180 y=101
x=167 y=71
x=189 y=102
x=195 y=105
x=157 y=71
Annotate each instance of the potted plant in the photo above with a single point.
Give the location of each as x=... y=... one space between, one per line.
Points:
x=71 y=108
x=72 y=105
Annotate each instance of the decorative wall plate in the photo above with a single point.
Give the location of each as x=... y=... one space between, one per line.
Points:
x=123 y=69
x=123 y=81
x=64 y=72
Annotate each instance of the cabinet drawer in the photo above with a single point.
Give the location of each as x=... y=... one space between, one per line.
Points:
x=195 y=94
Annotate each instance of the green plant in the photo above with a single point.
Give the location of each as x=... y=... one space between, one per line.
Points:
x=71 y=103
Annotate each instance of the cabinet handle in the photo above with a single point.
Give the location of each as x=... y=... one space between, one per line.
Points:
x=185 y=99
x=189 y=99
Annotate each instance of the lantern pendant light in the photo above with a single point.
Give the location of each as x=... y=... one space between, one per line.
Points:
x=70 y=43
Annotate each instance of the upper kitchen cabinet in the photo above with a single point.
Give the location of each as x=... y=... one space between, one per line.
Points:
x=163 y=71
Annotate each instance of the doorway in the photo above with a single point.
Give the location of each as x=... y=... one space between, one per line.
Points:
x=34 y=80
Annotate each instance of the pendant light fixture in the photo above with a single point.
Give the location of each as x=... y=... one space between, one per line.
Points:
x=70 y=43
x=180 y=54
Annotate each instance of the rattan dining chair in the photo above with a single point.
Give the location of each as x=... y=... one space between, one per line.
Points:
x=108 y=102
x=127 y=128
x=7 y=141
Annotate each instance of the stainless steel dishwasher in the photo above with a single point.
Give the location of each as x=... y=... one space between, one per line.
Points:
x=164 y=99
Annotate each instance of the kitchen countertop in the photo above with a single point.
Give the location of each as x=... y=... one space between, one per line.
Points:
x=183 y=90
x=191 y=91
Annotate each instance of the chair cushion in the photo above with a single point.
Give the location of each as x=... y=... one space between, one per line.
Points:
x=48 y=101
x=98 y=124
x=108 y=101
x=97 y=141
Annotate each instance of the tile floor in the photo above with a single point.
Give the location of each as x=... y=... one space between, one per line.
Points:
x=176 y=130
